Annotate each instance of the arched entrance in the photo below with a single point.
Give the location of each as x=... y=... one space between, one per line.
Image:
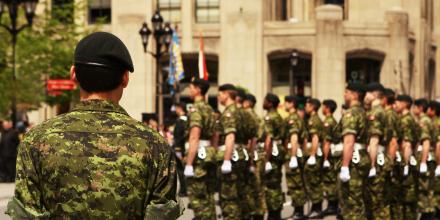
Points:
x=364 y=66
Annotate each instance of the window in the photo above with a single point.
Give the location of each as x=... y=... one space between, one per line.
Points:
x=340 y=3
x=281 y=10
x=170 y=10
x=100 y=11
x=62 y=10
x=207 y=11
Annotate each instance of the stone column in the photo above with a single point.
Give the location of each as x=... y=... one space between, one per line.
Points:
x=399 y=78
x=328 y=77
x=186 y=26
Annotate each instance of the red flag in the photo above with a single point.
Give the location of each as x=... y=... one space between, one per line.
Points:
x=203 y=71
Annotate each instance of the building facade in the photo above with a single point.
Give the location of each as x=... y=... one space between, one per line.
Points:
x=249 y=42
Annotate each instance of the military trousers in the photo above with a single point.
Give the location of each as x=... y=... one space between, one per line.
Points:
x=330 y=178
x=295 y=182
x=256 y=182
x=426 y=201
x=410 y=190
x=273 y=178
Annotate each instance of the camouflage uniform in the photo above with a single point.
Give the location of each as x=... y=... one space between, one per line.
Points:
x=408 y=132
x=394 y=186
x=436 y=187
x=377 y=203
x=200 y=187
x=294 y=177
x=426 y=201
x=353 y=192
x=329 y=175
x=273 y=127
x=312 y=173
x=231 y=184
x=257 y=178
x=95 y=162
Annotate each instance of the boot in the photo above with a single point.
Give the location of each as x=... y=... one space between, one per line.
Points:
x=315 y=212
x=427 y=216
x=275 y=215
x=332 y=209
x=257 y=217
x=298 y=214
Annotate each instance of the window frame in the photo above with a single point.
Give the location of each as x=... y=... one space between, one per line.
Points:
x=208 y=8
x=101 y=7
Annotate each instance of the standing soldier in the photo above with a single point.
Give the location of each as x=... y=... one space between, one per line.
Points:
x=232 y=154
x=272 y=137
x=329 y=177
x=407 y=139
x=355 y=161
x=96 y=162
x=381 y=165
x=437 y=157
x=425 y=158
x=393 y=151
x=200 y=157
x=295 y=135
x=179 y=135
x=257 y=156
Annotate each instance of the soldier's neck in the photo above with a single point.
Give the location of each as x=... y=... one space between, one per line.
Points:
x=229 y=102
x=405 y=111
x=292 y=111
x=199 y=98
x=375 y=103
x=354 y=103
x=105 y=96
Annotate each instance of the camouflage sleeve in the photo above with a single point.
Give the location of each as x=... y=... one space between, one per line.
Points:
x=26 y=204
x=228 y=122
x=195 y=118
x=161 y=202
x=407 y=130
x=268 y=127
x=328 y=131
x=375 y=124
x=293 y=127
x=391 y=126
x=425 y=129
x=349 y=124
x=313 y=126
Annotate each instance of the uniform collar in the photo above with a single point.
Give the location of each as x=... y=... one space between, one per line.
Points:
x=100 y=106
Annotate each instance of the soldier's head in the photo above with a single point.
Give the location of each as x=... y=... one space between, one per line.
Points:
x=353 y=93
x=420 y=106
x=329 y=107
x=101 y=66
x=389 y=97
x=433 y=109
x=290 y=102
x=180 y=108
x=271 y=101
x=7 y=124
x=226 y=92
x=249 y=101
x=198 y=87
x=312 y=105
x=241 y=94
x=403 y=102
x=374 y=91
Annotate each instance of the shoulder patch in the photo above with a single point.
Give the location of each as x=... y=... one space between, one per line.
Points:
x=267 y=118
x=326 y=124
x=192 y=109
x=228 y=114
x=347 y=115
x=290 y=121
x=371 y=117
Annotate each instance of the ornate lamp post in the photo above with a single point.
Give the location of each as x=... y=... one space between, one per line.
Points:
x=293 y=64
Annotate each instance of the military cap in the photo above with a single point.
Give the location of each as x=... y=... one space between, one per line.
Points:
x=404 y=98
x=226 y=87
x=356 y=87
x=290 y=98
x=240 y=92
x=251 y=98
x=389 y=92
x=314 y=102
x=202 y=84
x=272 y=98
x=103 y=49
x=422 y=103
x=373 y=87
x=330 y=104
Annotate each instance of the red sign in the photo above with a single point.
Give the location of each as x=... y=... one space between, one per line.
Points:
x=60 y=84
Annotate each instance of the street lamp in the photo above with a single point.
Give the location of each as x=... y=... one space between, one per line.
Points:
x=13 y=7
x=162 y=35
x=293 y=64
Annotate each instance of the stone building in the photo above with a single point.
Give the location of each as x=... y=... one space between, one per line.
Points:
x=249 y=42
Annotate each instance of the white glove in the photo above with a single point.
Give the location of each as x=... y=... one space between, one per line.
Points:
x=326 y=164
x=311 y=160
x=437 y=171
x=423 y=168
x=293 y=163
x=226 y=167
x=179 y=155
x=405 y=170
x=372 y=172
x=189 y=171
x=268 y=167
x=344 y=175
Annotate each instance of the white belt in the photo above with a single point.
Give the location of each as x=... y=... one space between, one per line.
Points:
x=299 y=152
x=380 y=149
x=430 y=154
x=318 y=152
x=356 y=158
x=235 y=156
x=358 y=147
x=202 y=143
x=336 y=148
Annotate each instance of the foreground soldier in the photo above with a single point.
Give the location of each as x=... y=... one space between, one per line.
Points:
x=295 y=135
x=96 y=162
x=355 y=161
x=201 y=124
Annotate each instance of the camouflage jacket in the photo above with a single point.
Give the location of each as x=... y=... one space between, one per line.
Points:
x=249 y=125
x=230 y=122
x=273 y=126
x=329 y=128
x=425 y=129
x=407 y=129
x=315 y=126
x=376 y=121
x=295 y=125
x=354 y=122
x=202 y=115
x=391 y=126
x=256 y=123
x=436 y=124
x=95 y=162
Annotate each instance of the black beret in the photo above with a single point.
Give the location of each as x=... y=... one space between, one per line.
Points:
x=272 y=98
x=226 y=87
x=356 y=87
x=375 y=86
x=240 y=92
x=103 y=50
x=290 y=98
x=330 y=104
x=251 y=98
x=389 y=92
x=202 y=84
x=421 y=102
x=404 y=98
x=314 y=102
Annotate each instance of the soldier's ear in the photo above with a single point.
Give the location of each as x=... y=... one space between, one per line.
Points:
x=73 y=74
x=125 y=79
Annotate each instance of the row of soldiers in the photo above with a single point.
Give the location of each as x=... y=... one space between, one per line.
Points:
x=377 y=162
